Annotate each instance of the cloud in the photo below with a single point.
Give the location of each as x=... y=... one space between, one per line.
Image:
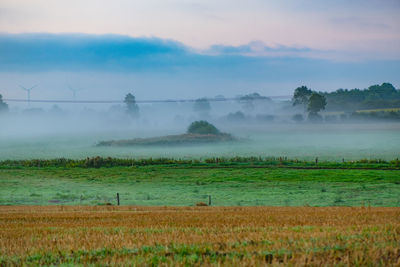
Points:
x=117 y=52
x=253 y=62
x=258 y=48
x=41 y=52
x=66 y=51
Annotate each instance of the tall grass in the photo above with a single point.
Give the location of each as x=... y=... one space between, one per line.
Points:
x=107 y=162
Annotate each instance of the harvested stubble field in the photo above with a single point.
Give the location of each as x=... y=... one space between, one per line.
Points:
x=134 y=235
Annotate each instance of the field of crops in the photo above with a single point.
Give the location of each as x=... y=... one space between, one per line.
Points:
x=199 y=235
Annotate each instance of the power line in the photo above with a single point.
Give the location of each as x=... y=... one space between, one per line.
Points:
x=122 y=101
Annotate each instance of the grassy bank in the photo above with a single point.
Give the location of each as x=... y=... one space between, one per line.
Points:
x=185 y=186
x=214 y=162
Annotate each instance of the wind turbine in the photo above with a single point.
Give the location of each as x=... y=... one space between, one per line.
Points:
x=28 y=90
x=74 y=90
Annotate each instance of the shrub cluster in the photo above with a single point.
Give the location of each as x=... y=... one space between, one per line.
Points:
x=107 y=162
x=202 y=127
x=377 y=115
x=93 y=162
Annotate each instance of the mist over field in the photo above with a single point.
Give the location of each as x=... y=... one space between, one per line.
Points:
x=62 y=94
x=267 y=130
x=301 y=79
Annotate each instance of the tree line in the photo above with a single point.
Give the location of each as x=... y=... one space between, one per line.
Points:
x=373 y=97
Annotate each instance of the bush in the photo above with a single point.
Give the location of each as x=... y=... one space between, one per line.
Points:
x=237 y=116
x=264 y=117
x=330 y=118
x=298 y=118
x=377 y=115
x=202 y=127
x=314 y=117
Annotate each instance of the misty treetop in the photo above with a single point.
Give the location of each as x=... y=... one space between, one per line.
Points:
x=316 y=103
x=301 y=96
x=237 y=116
x=253 y=96
x=311 y=101
x=131 y=107
x=3 y=105
x=249 y=101
x=202 y=106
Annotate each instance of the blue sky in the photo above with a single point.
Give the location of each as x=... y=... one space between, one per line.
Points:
x=197 y=48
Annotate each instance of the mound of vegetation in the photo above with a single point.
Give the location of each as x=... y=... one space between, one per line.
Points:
x=198 y=132
x=202 y=127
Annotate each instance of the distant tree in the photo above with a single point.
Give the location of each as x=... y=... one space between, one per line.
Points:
x=220 y=98
x=236 y=117
x=202 y=127
x=248 y=105
x=301 y=96
x=385 y=91
x=265 y=117
x=131 y=106
x=202 y=106
x=55 y=109
x=3 y=105
x=248 y=101
x=316 y=103
x=298 y=118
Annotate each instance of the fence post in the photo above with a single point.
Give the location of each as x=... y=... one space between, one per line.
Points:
x=209 y=200
x=118 y=199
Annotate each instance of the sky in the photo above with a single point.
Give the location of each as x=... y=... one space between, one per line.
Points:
x=171 y=48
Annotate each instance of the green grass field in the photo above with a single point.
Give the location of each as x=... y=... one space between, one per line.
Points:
x=166 y=185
